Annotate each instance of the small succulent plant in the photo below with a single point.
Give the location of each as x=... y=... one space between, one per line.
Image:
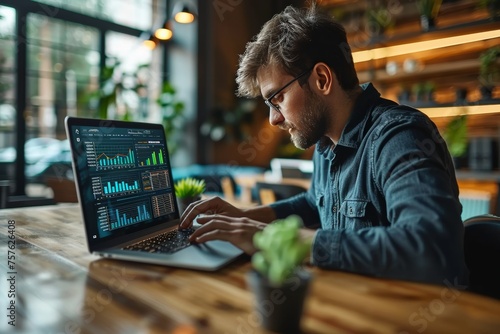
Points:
x=189 y=187
x=280 y=249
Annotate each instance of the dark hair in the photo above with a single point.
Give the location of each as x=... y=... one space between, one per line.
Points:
x=295 y=40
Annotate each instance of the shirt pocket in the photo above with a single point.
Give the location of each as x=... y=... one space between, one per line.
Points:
x=353 y=212
x=323 y=212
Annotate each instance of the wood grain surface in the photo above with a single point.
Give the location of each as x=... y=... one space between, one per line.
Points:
x=61 y=288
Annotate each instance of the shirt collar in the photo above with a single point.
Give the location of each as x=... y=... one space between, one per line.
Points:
x=352 y=133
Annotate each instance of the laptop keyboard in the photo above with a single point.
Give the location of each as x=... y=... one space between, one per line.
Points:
x=168 y=242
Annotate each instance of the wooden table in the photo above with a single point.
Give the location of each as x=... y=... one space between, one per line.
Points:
x=60 y=288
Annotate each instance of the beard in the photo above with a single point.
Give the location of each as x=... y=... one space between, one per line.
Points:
x=314 y=123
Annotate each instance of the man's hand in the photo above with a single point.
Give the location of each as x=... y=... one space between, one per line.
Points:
x=236 y=230
x=220 y=220
x=212 y=206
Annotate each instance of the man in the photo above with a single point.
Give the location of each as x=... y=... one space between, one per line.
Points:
x=384 y=198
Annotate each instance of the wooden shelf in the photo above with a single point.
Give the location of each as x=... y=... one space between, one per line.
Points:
x=449 y=68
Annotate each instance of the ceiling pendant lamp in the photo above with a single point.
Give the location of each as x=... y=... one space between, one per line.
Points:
x=151 y=42
x=182 y=13
x=164 y=33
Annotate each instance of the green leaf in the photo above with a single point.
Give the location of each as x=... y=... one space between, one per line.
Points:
x=281 y=249
x=189 y=187
x=260 y=264
x=455 y=135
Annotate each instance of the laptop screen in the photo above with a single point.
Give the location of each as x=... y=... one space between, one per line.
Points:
x=124 y=177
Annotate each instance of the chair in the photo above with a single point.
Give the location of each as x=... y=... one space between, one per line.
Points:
x=64 y=189
x=268 y=193
x=7 y=200
x=218 y=183
x=482 y=254
x=478 y=198
x=475 y=203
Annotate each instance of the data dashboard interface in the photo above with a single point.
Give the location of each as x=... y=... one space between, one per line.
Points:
x=125 y=178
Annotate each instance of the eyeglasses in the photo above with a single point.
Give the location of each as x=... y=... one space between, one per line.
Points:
x=268 y=100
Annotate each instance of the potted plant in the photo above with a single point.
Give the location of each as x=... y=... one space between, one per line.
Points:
x=493 y=7
x=187 y=191
x=418 y=91
x=173 y=119
x=428 y=10
x=278 y=280
x=489 y=71
x=118 y=91
x=378 y=19
x=455 y=136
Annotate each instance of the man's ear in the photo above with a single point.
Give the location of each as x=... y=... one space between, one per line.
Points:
x=324 y=77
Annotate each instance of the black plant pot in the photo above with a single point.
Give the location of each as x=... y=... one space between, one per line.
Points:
x=494 y=9
x=461 y=96
x=183 y=203
x=280 y=307
x=460 y=162
x=486 y=92
x=427 y=23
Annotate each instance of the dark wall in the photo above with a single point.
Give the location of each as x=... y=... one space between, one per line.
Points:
x=225 y=28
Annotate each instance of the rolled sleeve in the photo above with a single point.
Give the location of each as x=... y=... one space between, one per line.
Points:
x=326 y=249
x=301 y=205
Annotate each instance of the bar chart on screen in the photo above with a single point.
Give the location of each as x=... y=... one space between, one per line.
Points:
x=133 y=213
x=110 y=186
x=105 y=157
x=150 y=155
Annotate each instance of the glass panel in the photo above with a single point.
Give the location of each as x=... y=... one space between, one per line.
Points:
x=62 y=67
x=131 y=13
x=133 y=79
x=7 y=92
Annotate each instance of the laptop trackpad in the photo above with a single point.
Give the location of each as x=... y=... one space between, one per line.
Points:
x=208 y=256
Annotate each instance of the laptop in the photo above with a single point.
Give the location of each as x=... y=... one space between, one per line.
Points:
x=126 y=193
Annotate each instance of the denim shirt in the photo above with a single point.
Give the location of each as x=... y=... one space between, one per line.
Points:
x=385 y=198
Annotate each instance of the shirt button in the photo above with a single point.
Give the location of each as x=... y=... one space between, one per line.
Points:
x=334 y=209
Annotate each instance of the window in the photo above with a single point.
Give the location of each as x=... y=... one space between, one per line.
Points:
x=131 y=62
x=67 y=57
x=131 y=13
x=7 y=91
x=64 y=44
x=61 y=69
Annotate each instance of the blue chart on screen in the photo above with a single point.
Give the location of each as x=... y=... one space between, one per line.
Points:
x=128 y=170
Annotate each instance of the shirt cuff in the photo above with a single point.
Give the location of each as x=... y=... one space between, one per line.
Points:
x=326 y=249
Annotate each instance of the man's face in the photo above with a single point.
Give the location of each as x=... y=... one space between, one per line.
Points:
x=314 y=124
x=301 y=112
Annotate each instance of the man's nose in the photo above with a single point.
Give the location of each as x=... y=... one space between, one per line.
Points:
x=275 y=117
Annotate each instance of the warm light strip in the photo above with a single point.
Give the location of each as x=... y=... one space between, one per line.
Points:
x=460 y=110
x=403 y=49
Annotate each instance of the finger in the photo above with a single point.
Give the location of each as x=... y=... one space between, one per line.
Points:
x=211 y=226
x=224 y=235
x=193 y=210
x=209 y=206
x=203 y=219
x=232 y=236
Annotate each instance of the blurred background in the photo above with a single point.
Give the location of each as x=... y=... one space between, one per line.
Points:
x=139 y=60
